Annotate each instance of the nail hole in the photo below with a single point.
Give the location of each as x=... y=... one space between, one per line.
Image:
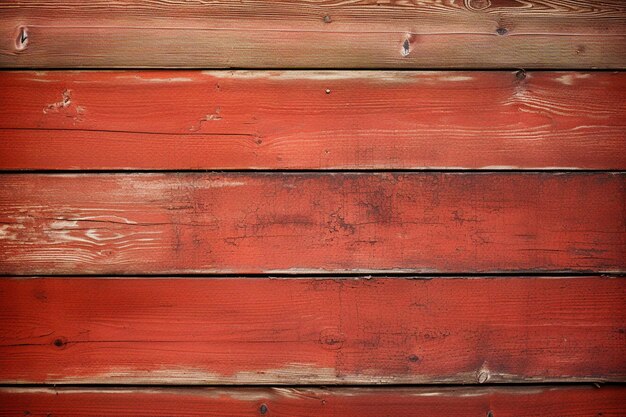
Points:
x=263 y=409
x=328 y=91
x=520 y=75
x=327 y=19
x=501 y=31
x=489 y=413
x=59 y=342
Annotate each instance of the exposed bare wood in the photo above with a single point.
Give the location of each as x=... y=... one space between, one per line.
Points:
x=306 y=33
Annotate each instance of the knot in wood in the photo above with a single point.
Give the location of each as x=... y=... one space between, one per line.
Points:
x=477 y=4
x=331 y=338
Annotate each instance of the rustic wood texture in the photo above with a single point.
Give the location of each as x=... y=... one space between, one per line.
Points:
x=312 y=330
x=312 y=120
x=311 y=222
x=307 y=402
x=314 y=34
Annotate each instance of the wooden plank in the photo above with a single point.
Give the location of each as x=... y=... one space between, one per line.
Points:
x=312 y=330
x=310 y=34
x=312 y=120
x=307 y=402
x=311 y=222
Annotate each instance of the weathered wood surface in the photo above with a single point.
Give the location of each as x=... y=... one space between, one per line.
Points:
x=310 y=223
x=311 y=330
x=313 y=34
x=312 y=120
x=307 y=402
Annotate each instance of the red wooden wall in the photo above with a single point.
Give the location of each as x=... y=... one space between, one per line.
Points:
x=302 y=208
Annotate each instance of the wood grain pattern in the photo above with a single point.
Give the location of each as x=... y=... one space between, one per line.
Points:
x=307 y=402
x=314 y=34
x=311 y=222
x=311 y=330
x=312 y=120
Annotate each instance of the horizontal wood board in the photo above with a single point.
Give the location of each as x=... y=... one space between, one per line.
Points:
x=312 y=223
x=172 y=120
x=307 y=402
x=312 y=330
x=312 y=34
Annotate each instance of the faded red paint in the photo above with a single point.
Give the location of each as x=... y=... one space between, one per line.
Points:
x=312 y=330
x=287 y=120
x=332 y=402
x=311 y=223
